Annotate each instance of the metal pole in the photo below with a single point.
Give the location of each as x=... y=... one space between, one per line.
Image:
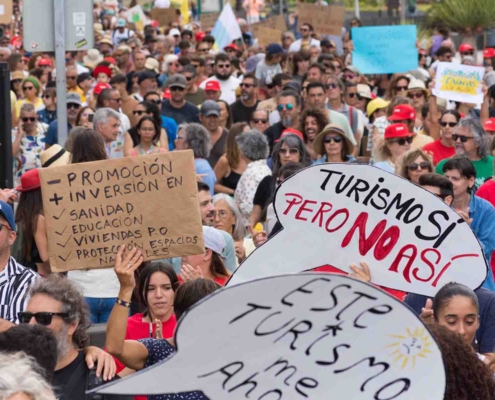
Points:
x=281 y=6
x=6 y=163
x=356 y=6
x=59 y=14
x=403 y=12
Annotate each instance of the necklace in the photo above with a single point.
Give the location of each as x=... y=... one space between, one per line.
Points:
x=146 y=152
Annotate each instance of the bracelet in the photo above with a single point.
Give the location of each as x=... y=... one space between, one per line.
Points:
x=123 y=303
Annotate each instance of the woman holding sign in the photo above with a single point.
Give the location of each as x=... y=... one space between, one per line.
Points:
x=334 y=145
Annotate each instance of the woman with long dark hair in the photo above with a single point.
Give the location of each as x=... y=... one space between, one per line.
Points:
x=132 y=137
x=31 y=246
x=149 y=137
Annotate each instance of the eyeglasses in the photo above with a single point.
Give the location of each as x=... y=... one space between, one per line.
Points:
x=288 y=107
x=450 y=124
x=30 y=119
x=304 y=30
x=332 y=86
x=16 y=81
x=402 y=141
x=260 y=121
x=463 y=139
x=3 y=225
x=246 y=85
x=71 y=78
x=221 y=66
x=42 y=318
x=292 y=151
x=176 y=89
x=139 y=112
x=27 y=88
x=422 y=165
x=74 y=106
x=117 y=100
x=415 y=95
x=147 y=129
x=222 y=214
x=335 y=139
x=86 y=115
x=400 y=88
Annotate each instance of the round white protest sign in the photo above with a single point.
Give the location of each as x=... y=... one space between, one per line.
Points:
x=311 y=335
x=342 y=214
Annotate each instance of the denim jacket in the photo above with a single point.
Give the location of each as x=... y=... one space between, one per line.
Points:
x=323 y=160
x=483 y=226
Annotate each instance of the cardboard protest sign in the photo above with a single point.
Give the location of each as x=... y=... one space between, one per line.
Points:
x=385 y=49
x=298 y=336
x=164 y=16
x=6 y=12
x=268 y=35
x=208 y=20
x=342 y=214
x=326 y=20
x=149 y=202
x=277 y=23
x=458 y=82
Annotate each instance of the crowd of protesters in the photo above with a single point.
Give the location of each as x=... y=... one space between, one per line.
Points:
x=253 y=116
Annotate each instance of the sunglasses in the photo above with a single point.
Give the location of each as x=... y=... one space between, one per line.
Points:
x=402 y=141
x=155 y=101
x=16 y=81
x=28 y=88
x=352 y=95
x=422 y=165
x=422 y=56
x=415 y=95
x=335 y=139
x=304 y=30
x=292 y=151
x=450 y=124
x=45 y=96
x=42 y=318
x=139 y=112
x=30 y=119
x=71 y=78
x=203 y=50
x=288 y=107
x=463 y=139
x=332 y=86
x=221 y=66
x=468 y=53
x=246 y=85
x=260 y=121
x=176 y=89
x=74 y=106
x=349 y=76
x=400 y=88
x=188 y=78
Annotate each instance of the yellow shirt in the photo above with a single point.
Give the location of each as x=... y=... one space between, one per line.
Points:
x=80 y=92
x=38 y=105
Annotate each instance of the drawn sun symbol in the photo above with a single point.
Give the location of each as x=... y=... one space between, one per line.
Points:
x=410 y=346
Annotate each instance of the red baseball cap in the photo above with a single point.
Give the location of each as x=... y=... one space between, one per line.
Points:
x=403 y=112
x=44 y=62
x=199 y=36
x=30 y=180
x=465 y=47
x=397 y=131
x=167 y=94
x=100 y=87
x=231 y=46
x=490 y=125
x=290 y=131
x=212 y=85
x=423 y=51
x=111 y=60
x=489 y=53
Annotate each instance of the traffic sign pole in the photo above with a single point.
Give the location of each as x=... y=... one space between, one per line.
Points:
x=59 y=15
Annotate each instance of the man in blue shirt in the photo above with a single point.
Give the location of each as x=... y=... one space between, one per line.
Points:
x=73 y=105
x=49 y=113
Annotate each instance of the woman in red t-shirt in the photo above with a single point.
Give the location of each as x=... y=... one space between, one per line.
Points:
x=208 y=265
x=441 y=127
x=156 y=290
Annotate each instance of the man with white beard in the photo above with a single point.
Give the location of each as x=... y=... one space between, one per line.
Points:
x=56 y=303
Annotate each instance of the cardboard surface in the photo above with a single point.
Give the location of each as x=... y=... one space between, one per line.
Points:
x=326 y=20
x=149 y=201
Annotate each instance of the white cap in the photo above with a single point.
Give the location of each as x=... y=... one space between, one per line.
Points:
x=213 y=239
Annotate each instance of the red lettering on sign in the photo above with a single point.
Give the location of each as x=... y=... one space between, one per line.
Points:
x=320 y=213
x=303 y=208
x=338 y=212
x=428 y=263
x=297 y=199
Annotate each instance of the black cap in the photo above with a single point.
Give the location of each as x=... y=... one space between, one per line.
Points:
x=147 y=74
x=82 y=77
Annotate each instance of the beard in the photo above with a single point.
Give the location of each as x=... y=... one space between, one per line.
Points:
x=246 y=96
x=209 y=220
x=222 y=77
x=64 y=344
x=287 y=121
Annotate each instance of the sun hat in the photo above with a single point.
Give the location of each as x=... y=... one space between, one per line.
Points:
x=318 y=145
x=417 y=84
x=152 y=64
x=55 y=156
x=17 y=75
x=30 y=180
x=364 y=91
x=93 y=58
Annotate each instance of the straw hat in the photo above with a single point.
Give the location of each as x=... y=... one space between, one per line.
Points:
x=55 y=156
x=93 y=58
x=152 y=64
x=318 y=145
x=416 y=84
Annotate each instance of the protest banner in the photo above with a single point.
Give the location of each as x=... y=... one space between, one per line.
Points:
x=149 y=202
x=208 y=20
x=459 y=82
x=6 y=12
x=326 y=20
x=298 y=336
x=385 y=49
x=342 y=214
x=268 y=35
x=164 y=16
x=136 y=16
x=277 y=23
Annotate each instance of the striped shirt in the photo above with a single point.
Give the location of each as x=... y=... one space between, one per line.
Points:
x=15 y=281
